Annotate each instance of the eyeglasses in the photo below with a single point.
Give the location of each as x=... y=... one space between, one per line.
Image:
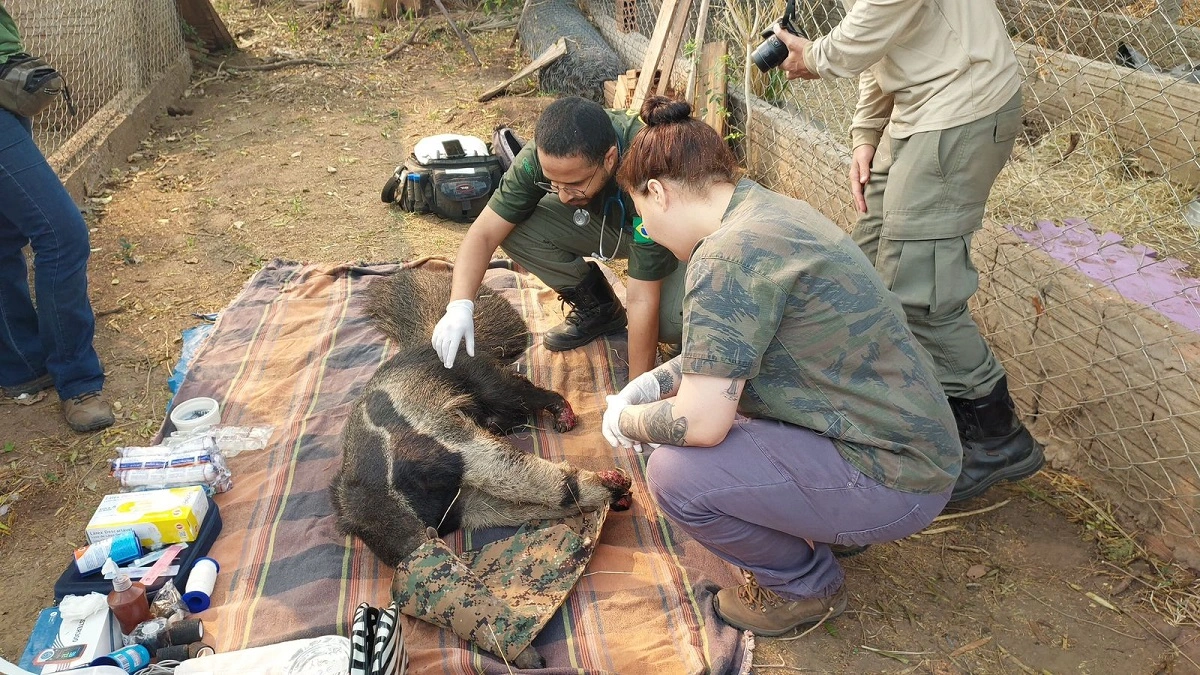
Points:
x=570 y=192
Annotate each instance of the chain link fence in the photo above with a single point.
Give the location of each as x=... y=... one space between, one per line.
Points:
x=1089 y=261
x=110 y=52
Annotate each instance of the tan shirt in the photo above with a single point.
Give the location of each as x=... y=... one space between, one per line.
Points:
x=922 y=65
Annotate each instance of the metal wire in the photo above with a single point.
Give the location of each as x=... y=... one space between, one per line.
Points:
x=1089 y=265
x=109 y=51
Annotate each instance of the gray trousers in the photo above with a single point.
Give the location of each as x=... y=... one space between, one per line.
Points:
x=551 y=246
x=763 y=494
x=925 y=200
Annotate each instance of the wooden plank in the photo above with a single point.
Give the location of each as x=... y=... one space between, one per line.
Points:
x=666 y=59
x=701 y=25
x=711 y=89
x=662 y=25
x=553 y=53
x=200 y=15
x=610 y=93
x=625 y=84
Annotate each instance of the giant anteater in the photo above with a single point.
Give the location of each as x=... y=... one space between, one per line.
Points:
x=423 y=446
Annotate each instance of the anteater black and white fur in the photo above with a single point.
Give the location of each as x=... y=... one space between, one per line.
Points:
x=424 y=445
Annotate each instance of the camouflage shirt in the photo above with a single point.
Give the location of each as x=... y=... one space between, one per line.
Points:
x=517 y=196
x=780 y=297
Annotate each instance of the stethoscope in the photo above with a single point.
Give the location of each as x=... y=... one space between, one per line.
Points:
x=582 y=217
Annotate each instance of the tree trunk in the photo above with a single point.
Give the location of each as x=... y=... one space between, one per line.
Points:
x=366 y=9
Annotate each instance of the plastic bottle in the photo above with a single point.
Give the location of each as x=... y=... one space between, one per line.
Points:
x=128 y=603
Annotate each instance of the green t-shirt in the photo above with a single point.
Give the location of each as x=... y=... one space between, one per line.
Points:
x=517 y=197
x=10 y=39
x=779 y=296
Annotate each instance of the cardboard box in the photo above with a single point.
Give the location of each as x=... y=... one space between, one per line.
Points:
x=58 y=644
x=158 y=517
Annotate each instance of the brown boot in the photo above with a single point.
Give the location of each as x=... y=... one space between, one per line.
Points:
x=88 y=412
x=754 y=608
x=34 y=386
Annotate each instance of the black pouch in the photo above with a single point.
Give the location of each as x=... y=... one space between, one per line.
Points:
x=28 y=85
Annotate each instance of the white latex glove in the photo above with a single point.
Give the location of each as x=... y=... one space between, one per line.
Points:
x=611 y=425
x=641 y=390
x=457 y=324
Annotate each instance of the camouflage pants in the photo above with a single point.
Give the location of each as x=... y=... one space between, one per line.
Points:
x=551 y=246
x=925 y=200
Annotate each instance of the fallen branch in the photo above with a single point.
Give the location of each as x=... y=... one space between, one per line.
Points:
x=305 y=61
x=964 y=514
x=461 y=38
x=553 y=53
x=400 y=47
x=891 y=654
x=517 y=33
x=1017 y=662
x=1082 y=620
x=970 y=647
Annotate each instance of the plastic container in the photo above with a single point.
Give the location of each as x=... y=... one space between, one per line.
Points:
x=121 y=548
x=71 y=582
x=129 y=604
x=196 y=413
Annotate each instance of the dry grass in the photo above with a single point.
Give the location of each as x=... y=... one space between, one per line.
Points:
x=1076 y=169
x=1189 y=16
x=1168 y=589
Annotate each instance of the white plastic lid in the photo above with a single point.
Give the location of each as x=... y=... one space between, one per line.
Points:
x=434 y=147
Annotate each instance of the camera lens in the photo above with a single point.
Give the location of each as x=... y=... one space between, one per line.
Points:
x=769 y=54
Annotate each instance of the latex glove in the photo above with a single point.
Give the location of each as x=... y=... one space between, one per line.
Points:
x=641 y=390
x=611 y=425
x=458 y=324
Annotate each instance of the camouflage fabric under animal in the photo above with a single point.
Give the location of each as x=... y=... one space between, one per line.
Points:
x=423 y=451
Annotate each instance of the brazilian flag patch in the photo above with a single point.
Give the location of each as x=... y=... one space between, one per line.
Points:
x=639 y=232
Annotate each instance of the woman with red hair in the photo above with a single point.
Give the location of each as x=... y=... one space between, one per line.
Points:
x=801 y=412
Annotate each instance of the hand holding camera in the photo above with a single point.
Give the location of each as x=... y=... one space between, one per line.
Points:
x=783 y=47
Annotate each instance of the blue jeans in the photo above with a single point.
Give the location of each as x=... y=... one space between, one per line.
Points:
x=35 y=209
x=763 y=494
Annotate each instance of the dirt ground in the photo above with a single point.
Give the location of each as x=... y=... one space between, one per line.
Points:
x=289 y=162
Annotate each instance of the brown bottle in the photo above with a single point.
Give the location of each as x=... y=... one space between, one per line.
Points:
x=128 y=603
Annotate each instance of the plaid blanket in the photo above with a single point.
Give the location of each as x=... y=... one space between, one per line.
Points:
x=293 y=351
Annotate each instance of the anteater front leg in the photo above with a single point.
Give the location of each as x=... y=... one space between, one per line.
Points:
x=494 y=466
x=480 y=509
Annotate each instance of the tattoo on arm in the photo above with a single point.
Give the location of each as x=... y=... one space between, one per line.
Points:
x=669 y=375
x=731 y=393
x=656 y=424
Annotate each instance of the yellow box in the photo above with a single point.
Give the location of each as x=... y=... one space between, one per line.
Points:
x=157 y=517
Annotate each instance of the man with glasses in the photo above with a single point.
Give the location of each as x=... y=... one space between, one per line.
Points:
x=557 y=203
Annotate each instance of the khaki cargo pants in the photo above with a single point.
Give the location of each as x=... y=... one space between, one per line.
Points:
x=550 y=245
x=925 y=200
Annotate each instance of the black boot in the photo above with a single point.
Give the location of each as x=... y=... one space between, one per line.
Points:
x=595 y=311
x=996 y=445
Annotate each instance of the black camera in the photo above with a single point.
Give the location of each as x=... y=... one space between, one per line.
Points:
x=772 y=51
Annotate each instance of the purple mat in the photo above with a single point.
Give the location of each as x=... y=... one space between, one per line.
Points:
x=1136 y=272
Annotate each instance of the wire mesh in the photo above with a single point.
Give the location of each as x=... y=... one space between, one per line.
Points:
x=1088 y=267
x=109 y=52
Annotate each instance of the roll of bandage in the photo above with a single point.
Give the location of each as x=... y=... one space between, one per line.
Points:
x=201 y=581
x=185 y=632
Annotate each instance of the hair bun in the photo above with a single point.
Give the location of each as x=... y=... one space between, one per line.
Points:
x=658 y=110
